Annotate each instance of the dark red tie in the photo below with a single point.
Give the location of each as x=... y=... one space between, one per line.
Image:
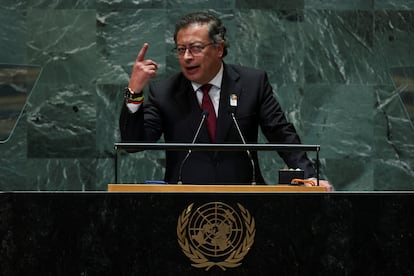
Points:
x=207 y=104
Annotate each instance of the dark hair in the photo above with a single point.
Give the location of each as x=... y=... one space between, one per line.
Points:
x=216 y=29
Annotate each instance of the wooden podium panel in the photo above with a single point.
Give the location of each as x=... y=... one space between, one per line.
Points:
x=156 y=188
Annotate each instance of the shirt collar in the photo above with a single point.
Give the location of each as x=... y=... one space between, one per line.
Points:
x=216 y=81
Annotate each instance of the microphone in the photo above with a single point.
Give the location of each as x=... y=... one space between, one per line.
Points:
x=248 y=151
x=203 y=118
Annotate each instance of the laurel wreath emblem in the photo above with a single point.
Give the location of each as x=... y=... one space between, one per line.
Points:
x=235 y=256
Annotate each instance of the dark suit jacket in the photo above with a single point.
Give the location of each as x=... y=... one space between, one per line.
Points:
x=171 y=109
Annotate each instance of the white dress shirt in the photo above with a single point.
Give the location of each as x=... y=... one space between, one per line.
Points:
x=214 y=90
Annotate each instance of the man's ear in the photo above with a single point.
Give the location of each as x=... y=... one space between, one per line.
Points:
x=221 y=48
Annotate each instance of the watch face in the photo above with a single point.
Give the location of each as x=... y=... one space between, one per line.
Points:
x=128 y=93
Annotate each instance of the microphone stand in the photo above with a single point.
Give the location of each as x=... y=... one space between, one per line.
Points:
x=248 y=151
x=205 y=114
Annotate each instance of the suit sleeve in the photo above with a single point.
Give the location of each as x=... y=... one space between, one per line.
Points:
x=131 y=125
x=143 y=125
x=278 y=130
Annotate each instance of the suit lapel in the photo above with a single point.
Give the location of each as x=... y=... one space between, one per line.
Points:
x=186 y=101
x=229 y=86
x=184 y=96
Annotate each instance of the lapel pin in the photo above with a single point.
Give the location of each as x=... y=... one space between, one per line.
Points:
x=233 y=100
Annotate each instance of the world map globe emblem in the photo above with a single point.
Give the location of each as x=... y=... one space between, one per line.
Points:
x=215 y=234
x=215 y=229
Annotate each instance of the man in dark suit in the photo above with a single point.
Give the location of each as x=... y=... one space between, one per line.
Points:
x=177 y=106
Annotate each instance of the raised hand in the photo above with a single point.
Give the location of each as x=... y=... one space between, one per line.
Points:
x=143 y=70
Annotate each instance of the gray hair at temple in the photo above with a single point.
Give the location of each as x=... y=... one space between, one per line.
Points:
x=216 y=29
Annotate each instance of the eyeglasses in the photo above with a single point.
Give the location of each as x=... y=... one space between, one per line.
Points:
x=195 y=49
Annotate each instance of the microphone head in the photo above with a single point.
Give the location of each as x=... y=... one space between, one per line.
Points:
x=205 y=113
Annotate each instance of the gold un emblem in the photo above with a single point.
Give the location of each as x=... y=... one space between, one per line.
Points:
x=215 y=234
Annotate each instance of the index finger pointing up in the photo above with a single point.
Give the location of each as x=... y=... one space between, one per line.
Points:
x=142 y=52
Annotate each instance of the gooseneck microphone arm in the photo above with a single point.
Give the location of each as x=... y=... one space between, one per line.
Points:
x=247 y=151
x=203 y=118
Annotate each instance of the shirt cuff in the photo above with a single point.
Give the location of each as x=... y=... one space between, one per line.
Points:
x=132 y=107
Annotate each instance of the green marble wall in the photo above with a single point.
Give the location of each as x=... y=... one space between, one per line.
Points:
x=329 y=63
